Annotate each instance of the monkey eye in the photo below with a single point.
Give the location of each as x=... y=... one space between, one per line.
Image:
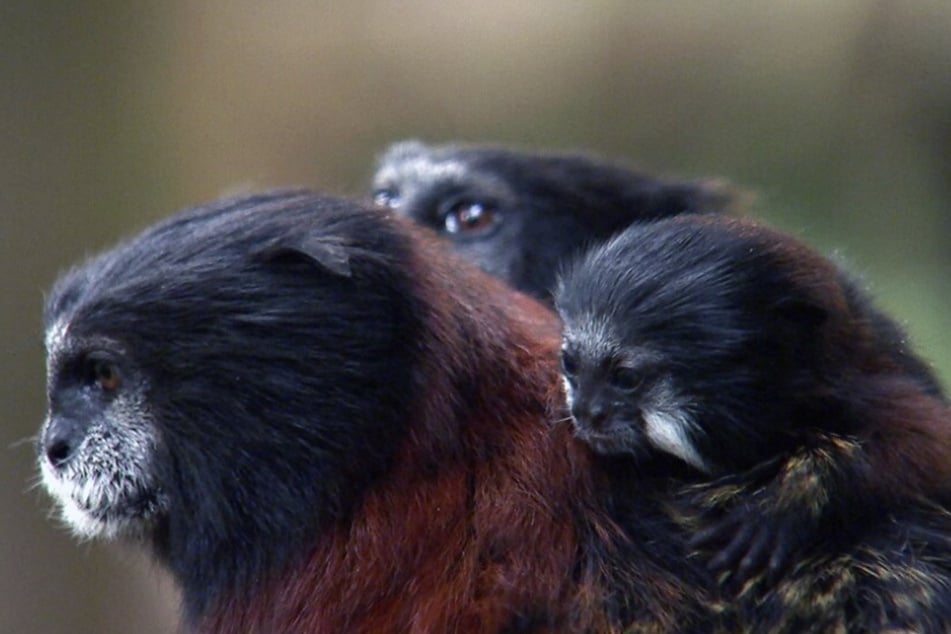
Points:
x=626 y=379
x=568 y=364
x=387 y=197
x=470 y=218
x=102 y=371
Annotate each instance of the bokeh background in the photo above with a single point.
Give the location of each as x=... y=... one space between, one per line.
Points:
x=837 y=115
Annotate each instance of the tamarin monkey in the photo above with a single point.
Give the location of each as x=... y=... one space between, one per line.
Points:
x=818 y=445
x=319 y=419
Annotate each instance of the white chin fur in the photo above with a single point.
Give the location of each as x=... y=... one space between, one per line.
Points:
x=75 y=501
x=670 y=432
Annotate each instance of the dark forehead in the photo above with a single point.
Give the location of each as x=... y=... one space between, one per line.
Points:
x=672 y=272
x=426 y=178
x=592 y=336
x=415 y=161
x=196 y=237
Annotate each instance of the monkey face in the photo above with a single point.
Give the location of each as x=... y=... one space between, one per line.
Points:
x=623 y=399
x=98 y=443
x=441 y=190
x=477 y=211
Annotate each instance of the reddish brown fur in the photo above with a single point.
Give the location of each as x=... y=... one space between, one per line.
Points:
x=908 y=441
x=490 y=512
x=905 y=433
x=863 y=490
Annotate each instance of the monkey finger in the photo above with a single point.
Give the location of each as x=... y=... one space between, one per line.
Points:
x=754 y=557
x=777 y=562
x=728 y=556
x=718 y=533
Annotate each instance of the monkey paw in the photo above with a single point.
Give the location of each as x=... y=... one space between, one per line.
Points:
x=748 y=545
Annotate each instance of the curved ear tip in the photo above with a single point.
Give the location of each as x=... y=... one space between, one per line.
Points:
x=338 y=263
x=330 y=256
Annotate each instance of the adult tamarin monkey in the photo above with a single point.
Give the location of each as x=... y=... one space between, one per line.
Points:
x=519 y=215
x=319 y=421
x=762 y=370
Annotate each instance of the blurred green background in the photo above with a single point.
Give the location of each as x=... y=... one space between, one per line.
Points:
x=113 y=114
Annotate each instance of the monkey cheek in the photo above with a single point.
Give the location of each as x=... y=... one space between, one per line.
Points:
x=671 y=431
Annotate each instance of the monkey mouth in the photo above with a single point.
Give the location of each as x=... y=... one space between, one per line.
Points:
x=104 y=505
x=618 y=438
x=141 y=504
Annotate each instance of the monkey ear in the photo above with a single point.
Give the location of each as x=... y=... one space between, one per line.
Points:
x=330 y=254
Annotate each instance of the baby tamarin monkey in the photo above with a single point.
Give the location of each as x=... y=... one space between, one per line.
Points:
x=743 y=353
x=518 y=215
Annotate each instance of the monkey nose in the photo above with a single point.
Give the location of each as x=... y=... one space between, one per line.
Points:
x=61 y=439
x=598 y=418
x=594 y=417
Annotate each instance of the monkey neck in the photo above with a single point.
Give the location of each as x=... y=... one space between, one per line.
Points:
x=486 y=539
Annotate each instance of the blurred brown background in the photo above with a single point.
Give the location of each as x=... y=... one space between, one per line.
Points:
x=113 y=114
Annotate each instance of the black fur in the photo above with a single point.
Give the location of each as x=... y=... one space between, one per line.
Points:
x=823 y=442
x=533 y=210
x=683 y=292
x=892 y=338
x=184 y=304
x=732 y=321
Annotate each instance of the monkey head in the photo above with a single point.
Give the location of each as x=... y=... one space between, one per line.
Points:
x=703 y=337
x=516 y=214
x=224 y=381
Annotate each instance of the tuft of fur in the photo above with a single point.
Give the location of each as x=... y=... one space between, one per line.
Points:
x=519 y=215
x=339 y=427
x=816 y=448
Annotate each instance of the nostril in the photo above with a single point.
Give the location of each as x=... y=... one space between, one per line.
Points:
x=59 y=452
x=61 y=439
x=591 y=416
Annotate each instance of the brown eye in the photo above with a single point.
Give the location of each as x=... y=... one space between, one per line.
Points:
x=103 y=373
x=107 y=376
x=470 y=218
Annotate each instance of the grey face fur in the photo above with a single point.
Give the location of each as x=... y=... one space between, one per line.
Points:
x=621 y=399
x=98 y=445
x=473 y=207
